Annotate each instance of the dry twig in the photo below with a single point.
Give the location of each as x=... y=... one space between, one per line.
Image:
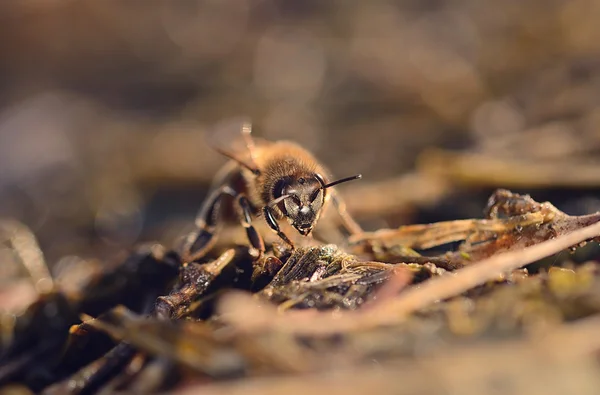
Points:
x=247 y=315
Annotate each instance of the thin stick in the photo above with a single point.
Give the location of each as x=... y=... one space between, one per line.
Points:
x=445 y=287
x=247 y=315
x=27 y=249
x=487 y=170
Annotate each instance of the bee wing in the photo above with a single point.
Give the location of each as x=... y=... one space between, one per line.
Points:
x=232 y=138
x=229 y=136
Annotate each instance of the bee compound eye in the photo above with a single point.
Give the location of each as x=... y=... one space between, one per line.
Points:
x=279 y=187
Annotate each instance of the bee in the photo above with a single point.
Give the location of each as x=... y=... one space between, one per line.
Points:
x=273 y=180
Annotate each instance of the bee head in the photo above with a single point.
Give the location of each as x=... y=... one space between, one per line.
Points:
x=301 y=199
x=301 y=202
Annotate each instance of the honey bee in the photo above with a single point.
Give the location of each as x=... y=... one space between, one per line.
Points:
x=273 y=180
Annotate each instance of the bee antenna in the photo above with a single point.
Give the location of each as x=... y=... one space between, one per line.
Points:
x=342 y=180
x=279 y=199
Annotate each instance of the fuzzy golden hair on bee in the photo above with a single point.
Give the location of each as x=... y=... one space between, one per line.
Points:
x=272 y=181
x=285 y=161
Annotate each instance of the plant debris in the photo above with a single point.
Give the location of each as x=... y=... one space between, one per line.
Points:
x=376 y=307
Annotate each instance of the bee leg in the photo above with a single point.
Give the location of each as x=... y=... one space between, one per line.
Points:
x=203 y=238
x=256 y=241
x=349 y=223
x=270 y=218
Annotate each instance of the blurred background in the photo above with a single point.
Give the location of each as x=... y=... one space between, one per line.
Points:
x=105 y=107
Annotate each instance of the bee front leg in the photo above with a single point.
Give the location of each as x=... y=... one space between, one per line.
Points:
x=272 y=222
x=256 y=241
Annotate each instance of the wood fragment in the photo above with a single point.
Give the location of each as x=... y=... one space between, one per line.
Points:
x=247 y=315
x=486 y=170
